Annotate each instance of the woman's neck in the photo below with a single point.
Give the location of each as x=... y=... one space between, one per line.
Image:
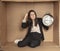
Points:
x=33 y=22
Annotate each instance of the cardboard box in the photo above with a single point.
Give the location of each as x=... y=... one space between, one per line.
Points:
x=12 y=13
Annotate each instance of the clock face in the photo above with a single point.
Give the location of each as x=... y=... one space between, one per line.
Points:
x=47 y=20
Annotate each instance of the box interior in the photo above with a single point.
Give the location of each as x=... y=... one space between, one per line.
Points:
x=14 y=13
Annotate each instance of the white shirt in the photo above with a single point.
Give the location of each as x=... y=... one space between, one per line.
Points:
x=34 y=28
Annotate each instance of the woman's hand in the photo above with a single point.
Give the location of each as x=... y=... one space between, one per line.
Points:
x=26 y=15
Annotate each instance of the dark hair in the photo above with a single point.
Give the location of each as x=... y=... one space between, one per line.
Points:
x=29 y=18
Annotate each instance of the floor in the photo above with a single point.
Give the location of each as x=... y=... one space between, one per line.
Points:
x=45 y=46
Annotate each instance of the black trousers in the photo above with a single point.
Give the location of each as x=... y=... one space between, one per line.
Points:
x=33 y=40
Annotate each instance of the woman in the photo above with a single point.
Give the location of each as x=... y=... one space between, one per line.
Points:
x=35 y=34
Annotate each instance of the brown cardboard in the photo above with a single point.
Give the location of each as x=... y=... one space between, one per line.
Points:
x=12 y=13
x=3 y=23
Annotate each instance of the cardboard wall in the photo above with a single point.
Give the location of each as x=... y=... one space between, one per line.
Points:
x=3 y=23
x=59 y=24
x=15 y=14
x=56 y=23
x=11 y=15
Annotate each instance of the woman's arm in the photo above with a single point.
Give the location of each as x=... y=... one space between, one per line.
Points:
x=24 y=22
x=45 y=27
x=41 y=23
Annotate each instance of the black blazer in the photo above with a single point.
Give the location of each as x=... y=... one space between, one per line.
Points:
x=27 y=24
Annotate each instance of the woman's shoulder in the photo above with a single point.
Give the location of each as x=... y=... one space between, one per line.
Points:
x=39 y=18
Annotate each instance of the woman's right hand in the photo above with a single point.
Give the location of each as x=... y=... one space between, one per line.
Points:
x=26 y=15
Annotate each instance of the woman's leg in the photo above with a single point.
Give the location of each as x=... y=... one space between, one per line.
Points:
x=35 y=43
x=23 y=42
x=36 y=39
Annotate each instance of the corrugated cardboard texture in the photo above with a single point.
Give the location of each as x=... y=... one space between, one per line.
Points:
x=15 y=14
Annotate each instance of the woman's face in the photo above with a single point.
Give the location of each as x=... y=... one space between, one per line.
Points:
x=32 y=15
